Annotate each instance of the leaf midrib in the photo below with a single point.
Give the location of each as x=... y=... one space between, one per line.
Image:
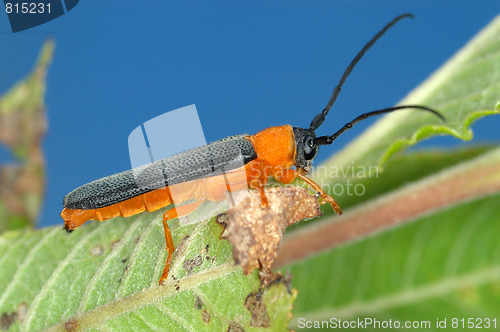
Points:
x=98 y=316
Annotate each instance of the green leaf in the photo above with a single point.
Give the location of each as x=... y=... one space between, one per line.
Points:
x=22 y=127
x=441 y=261
x=446 y=265
x=105 y=276
x=464 y=89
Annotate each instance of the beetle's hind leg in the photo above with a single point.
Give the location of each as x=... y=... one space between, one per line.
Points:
x=173 y=213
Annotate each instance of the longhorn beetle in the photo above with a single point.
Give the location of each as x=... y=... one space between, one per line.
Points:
x=271 y=152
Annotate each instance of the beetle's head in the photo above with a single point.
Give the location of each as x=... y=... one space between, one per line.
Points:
x=305 y=147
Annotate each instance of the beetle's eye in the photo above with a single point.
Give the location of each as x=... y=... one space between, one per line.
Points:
x=310 y=149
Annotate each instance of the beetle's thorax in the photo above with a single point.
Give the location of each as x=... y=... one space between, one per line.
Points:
x=275 y=146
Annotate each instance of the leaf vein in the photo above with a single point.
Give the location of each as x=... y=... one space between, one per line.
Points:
x=48 y=285
x=125 y=239
x=163 y=308
x=26 y=262
x=436 y=289
x=137 y=250
x=95 y=317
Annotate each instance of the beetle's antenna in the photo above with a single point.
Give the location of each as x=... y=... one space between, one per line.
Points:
x=326 y=140
x=318 y=119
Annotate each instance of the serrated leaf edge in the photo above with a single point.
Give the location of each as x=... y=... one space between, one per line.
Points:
x=433 y=130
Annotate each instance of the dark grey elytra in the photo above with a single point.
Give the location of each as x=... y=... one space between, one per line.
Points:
x=206 y=161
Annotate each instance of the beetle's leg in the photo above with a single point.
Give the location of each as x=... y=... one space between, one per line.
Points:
x=170 y=249
x=329 y=199
x=263 y=197
x=257 y=175
x=286 y=176
x=257 y=184
x=291 y=174
x=173 y=213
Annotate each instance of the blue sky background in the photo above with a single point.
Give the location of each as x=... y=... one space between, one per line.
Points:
x=246 y=65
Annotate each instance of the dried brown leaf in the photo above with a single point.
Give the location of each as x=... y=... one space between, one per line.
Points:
x=22 y=127
x=256 y=231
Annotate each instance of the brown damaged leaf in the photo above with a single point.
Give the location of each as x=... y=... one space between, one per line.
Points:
x=9 y=318
x=255 y=304
x=22 y=126
x=255 y=232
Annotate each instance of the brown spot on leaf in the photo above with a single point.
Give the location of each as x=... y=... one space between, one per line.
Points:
x=207 y=247
x=7 y=320
x=258 y=309
x=198 y=303
x=256 y=232
x=22 y=310
x=205 y=315
x=286 y=280
x=190 y=264
x=114 y=244
x=96 y=250
x=235 y=327
x=222 y=219
x=181 y=246
x=71 y=325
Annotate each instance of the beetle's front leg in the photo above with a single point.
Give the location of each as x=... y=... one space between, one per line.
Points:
x=259 y=184
x=289 y=175
x=257 y=176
